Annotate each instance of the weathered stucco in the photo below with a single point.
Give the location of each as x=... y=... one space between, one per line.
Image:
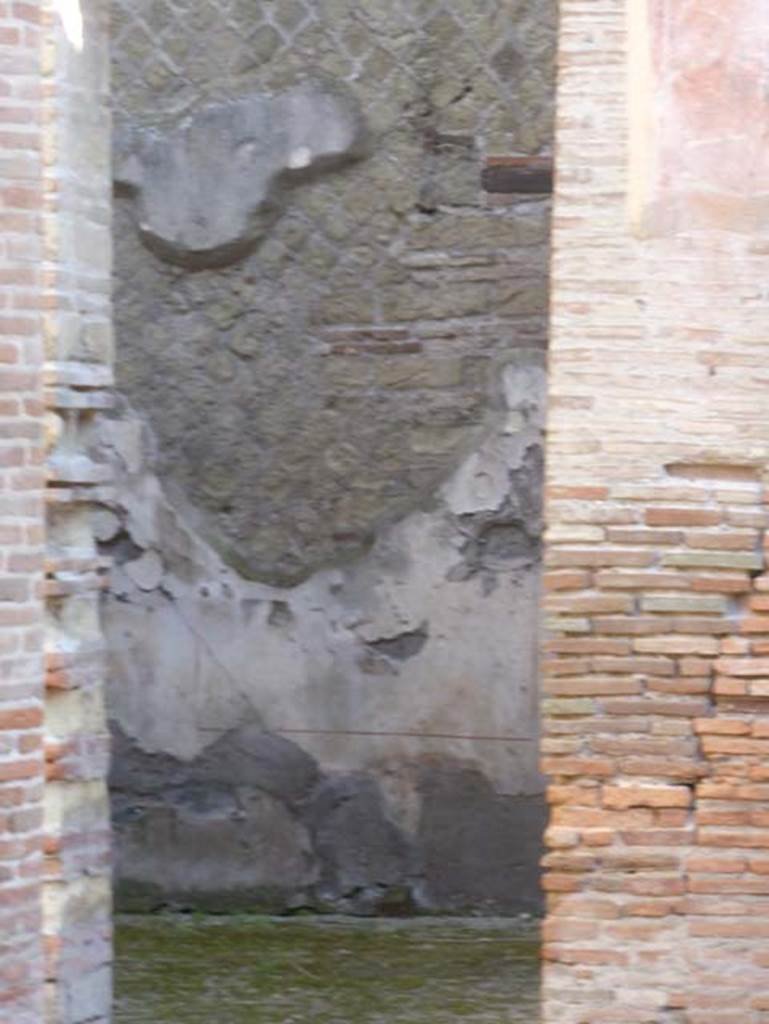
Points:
x=330 y=459
x=369 y=744
x=207 y=191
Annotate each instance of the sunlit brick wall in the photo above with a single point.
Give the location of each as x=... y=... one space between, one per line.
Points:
x=656 y=675
x=21 y=518
x=55 y=350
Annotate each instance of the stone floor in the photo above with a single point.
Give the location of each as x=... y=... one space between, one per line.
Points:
x=190 y=970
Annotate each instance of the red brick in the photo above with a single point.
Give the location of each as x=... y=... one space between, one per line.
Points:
x=658 y=907
x=743 y=667
x=626 y=744
x=725 y=686
x=597 y=817
x=677 y=644
x=553 y=882
x=575 y=795
x=646 y=796
x=682 y=517
x=734 y=838
x=699 y=624
x=664 y=768
x=735 y=645
x=592 y=686
x=694 y=708
x=21 y=718
x=579 y=493
x=684 y=685
x=598 y=557
x=705 y=864
x=624 y=625
x=587 y=645
x=755 y=624
x=721 y=584
x=723 y=726
x=589 y=604
x=661 y=538
x=655 y=886
x=21 y=769
x=728 y=929
x=693 y=666
x=657 y=580
x=735 y=745
x=652 y=666
x=555 y=930
x=581 y=766
x=566 y=580
x=744 y=540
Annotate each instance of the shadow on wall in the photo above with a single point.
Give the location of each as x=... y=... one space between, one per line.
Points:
x=253 y=823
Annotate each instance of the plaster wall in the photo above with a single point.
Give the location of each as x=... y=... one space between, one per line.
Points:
x=329 y=455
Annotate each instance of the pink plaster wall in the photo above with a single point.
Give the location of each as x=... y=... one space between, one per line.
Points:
x=711 y=62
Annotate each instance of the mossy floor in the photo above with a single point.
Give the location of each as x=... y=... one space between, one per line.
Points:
x=190 y=970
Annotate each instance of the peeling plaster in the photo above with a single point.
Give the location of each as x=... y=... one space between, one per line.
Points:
x=386 y=664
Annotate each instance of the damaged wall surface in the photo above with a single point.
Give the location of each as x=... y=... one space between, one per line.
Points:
x=328 y=452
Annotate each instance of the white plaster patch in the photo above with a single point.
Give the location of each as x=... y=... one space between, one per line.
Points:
x=71 y=17
x=301 y=157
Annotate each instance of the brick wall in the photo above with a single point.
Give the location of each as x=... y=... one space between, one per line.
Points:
x=21 y=518
x=656 y=672
x=54 y=354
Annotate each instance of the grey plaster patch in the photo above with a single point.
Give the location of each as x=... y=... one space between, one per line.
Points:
x=510 y=534
x=280 y=615
x=325 y=698
x=208 y=189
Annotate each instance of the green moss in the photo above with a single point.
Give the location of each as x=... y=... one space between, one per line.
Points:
x=187 y=970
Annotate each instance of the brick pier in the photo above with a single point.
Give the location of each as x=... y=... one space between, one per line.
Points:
x=656 y=673
x=22 y=479
x=55 y=355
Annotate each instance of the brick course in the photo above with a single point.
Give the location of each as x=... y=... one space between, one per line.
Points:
x=54 y=898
